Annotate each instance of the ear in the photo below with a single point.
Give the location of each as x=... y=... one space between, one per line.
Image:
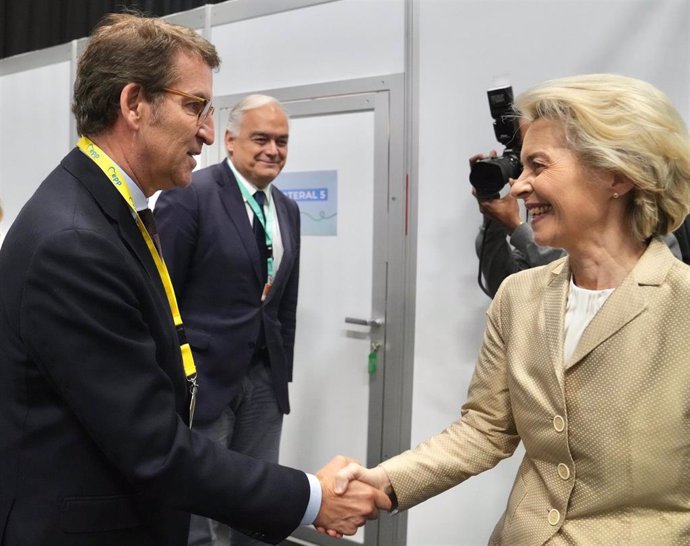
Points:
x=229 y=142
x=132 y=102
x=620 y=185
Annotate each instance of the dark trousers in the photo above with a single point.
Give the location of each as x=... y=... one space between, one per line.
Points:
x=250 y=424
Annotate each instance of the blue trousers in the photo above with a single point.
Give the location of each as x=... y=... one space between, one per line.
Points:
x=250 y=424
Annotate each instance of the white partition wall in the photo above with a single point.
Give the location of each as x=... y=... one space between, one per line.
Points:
x=450 y=52
x=333 y=41
x=34 y=131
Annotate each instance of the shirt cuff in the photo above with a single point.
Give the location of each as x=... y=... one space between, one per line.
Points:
x=314 y=504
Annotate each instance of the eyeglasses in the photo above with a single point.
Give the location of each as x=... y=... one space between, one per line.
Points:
x=200 y=107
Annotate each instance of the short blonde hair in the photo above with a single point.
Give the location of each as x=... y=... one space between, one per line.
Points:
x=625 y=126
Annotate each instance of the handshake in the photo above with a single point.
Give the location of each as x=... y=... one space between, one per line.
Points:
x=351 y=495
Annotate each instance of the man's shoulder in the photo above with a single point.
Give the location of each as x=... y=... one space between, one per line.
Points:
x=205 y=182
x=211 y=175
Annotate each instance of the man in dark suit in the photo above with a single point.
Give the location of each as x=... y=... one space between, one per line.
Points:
x=96 y=379
x=231 y=241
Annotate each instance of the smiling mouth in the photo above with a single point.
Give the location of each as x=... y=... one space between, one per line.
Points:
x=539 y=210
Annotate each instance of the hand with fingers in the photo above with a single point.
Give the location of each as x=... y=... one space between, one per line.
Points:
x=478 y=157
x=375 y=477
x=346 y=507
x=504 y=210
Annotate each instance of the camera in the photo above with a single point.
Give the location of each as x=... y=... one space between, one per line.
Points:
x=488 y=176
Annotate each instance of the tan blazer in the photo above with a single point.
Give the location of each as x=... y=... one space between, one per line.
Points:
x=606 y=435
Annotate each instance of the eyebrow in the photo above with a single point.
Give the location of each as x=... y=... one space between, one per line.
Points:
x=188 y=94
x=535 y=155
x=270 y=135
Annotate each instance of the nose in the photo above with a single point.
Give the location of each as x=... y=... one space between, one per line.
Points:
x=521 y=187
x=271 y=148
x=207 y=131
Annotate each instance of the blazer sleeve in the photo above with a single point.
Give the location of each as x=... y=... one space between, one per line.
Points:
x=93 y=326
x=484 y=434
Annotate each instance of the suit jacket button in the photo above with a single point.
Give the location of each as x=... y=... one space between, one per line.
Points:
x=554 y=516
x=563 y=471
x=558 y=423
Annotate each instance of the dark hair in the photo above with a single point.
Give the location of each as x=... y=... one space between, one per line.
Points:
x=127 y=48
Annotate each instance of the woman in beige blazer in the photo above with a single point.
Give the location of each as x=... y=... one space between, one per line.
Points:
x=584 y=360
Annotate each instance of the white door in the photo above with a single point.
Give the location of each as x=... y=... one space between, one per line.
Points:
x=338 y=171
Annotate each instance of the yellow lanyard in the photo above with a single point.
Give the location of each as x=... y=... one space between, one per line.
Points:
x=112 y=172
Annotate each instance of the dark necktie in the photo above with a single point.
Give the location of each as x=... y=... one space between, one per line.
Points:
x=149 y=222
x=260 y=234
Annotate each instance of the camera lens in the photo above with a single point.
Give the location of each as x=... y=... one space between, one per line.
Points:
x=488 y=176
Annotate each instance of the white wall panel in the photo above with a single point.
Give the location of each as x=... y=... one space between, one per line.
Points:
x=35 y=118
x=327 y=42
x=463 y=46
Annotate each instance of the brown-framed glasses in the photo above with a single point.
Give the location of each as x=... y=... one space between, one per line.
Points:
x=200 y=107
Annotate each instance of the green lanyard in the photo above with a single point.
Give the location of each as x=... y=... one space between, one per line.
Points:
x=113 y=173
x=268 y=228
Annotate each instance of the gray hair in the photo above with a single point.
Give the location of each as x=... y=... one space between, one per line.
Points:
x=250 y=102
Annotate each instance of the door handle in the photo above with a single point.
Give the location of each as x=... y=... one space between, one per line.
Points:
x=373 y=323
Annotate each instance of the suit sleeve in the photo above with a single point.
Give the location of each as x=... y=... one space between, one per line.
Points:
x=496 y=258
x=177 y=219
x=96 y=332
x=484 y=434
x=533 y=254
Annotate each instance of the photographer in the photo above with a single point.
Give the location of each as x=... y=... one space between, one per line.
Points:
x=505 y=243
x=489 y=174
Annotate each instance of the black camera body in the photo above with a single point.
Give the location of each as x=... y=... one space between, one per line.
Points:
x=488 y=176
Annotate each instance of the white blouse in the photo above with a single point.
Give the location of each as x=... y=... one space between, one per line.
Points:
x=580 y=309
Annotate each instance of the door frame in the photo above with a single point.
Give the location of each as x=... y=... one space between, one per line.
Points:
x=393 y=295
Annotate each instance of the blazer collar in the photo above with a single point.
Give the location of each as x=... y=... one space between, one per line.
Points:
x=627 y=301
x=114 y=207
x=233 y=202
x=287 y=236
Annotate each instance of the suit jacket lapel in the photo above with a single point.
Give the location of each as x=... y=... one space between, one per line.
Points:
x=554 y=312
x=285 y=224
x=627 y=301
x=114 y=206
x=287 y=238
x=231 y=197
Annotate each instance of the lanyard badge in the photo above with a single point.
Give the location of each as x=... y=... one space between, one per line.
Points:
x=109 y=168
